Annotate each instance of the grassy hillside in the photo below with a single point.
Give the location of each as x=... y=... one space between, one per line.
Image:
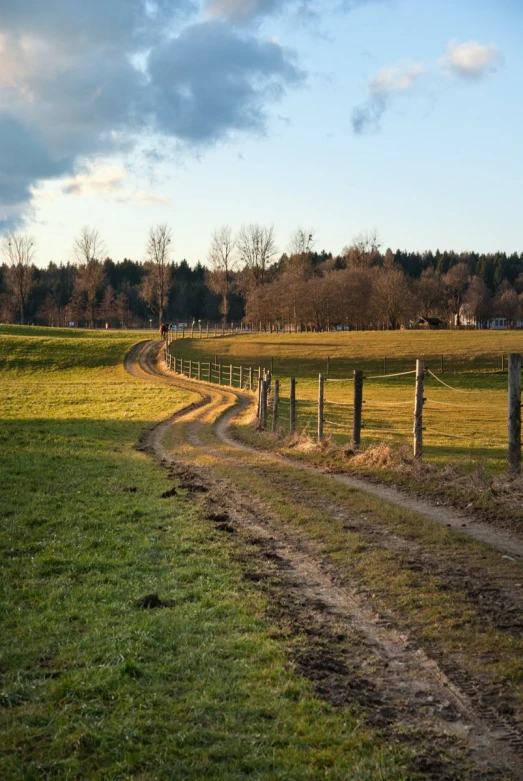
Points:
x=93 y=686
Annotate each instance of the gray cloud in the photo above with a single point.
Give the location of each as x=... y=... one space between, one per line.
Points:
x=366 y=118
x=23 y=160
x=242 y=12
x=381 y=89
x=120 y=23
x=210 y=80
x=81 y=79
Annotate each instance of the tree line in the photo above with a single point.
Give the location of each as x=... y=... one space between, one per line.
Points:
x=246 y=279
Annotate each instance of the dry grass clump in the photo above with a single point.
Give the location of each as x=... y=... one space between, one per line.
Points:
x=302 y=442
x=381 y=456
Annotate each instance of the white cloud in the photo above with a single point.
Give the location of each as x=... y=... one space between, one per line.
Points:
x=390 y=80
x=143 y=198
x=98 y=180
x=471 y=60
x=102 y=180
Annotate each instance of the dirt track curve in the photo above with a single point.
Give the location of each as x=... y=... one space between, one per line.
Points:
x=460 y=727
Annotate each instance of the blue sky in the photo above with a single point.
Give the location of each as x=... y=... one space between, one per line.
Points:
x=340 y=116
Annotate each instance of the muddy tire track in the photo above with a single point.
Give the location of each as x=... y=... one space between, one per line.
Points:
x=354 y=656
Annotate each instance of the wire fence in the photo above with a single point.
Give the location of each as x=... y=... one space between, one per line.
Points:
x=392 y=407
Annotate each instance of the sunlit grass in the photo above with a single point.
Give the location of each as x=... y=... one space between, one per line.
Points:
x=466 y=422
x=92 y=686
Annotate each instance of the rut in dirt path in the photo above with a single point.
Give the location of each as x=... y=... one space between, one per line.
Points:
x=353 y=655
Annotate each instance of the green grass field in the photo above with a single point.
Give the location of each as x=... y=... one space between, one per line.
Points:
x=92 y=686
x=466 y=422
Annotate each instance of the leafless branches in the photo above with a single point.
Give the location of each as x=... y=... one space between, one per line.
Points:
x=256 y=247
x=222 y=261
x=155 y=287
x=19 y=250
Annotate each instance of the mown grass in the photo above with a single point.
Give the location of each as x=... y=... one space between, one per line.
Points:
x=92 y=686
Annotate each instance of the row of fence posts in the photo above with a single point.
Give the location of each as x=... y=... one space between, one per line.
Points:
x=204 y=371
x=207 y=331
x=265 y=383
x=514 y=408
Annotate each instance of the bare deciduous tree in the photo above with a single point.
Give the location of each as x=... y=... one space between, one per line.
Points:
x=507 y=304
x=364 y=250
x=19 y=249
x=107 y=307
x=222 y=262
x=302 y=241
x=155 y=287
x=89 y=245
x=477 y=301
x=456 y=282
x=256 y=246
x=429 y=293
x=391 y=295
x=89 y=249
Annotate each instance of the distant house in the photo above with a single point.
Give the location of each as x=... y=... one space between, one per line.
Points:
x=492 y=323
x=430 y=323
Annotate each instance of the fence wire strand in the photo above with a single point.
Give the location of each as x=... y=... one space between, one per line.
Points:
x=388 y=376
x=462 y=406
x=456 y=390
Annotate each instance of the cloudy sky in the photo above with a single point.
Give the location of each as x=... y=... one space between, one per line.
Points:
x=337 y=115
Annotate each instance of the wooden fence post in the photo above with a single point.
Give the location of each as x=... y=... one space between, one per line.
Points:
x=241 y=376
x=250 y=378
x=275 y=399
x=230 y=376
x=514 y=413
x=292 y=406
x=199 y=370
x=263 y=411
x=258 y=404
x=219 y=374
x=358 y=402
x=207 y=329
x=418 y=409
x=320 y=407
x=328 y=365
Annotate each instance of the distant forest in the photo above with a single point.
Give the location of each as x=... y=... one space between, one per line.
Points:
x=246 y=280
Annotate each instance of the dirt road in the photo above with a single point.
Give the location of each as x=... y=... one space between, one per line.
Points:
x=462 y=721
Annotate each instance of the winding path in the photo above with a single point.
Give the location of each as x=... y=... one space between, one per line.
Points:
x=370 y=661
